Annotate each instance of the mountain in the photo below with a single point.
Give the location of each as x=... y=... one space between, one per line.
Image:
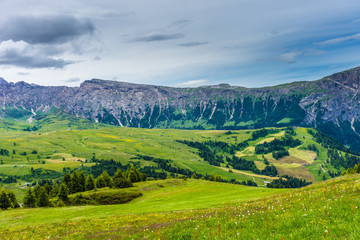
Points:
x=330 y=104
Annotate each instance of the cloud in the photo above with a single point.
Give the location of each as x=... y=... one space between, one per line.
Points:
x=193 y=83
x=23 y=73
x=72 y=80
x=180 y=23
x=45 y=29
x=290 y=57
x=192 y=44
x=21 y=54
x=341 y=39
x=157 y=36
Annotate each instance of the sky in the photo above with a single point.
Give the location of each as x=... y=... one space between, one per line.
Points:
x=177 y=43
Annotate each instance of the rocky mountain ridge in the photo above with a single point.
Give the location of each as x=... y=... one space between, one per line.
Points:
x=330 y=104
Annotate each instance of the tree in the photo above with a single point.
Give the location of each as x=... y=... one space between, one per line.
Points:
x=55 y=190
x=82 y=181
x=89 y=183
x=67 y=180
x=74 y=183
x=120 y=181
x=13 y=200
x=29 y=198
x=63 y=193
x=43 y=200
x=100 y=182
x=107 y=178
x=37 y=190
x=5 y=202
x=48 y=188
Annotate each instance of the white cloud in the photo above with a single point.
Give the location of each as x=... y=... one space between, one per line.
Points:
x=193 y=83
x=340 y=39
x=290 y=57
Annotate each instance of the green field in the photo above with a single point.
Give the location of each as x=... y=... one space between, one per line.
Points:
x=326 y=210
x=62 y=141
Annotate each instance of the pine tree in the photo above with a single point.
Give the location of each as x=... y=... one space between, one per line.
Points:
x=81 y=182
x=5 y=202
x=120 y=181
x=63 y=193
x=67 y=180
x=48 y=188
x=74 y=182
x=107 y=179
x=90 y=183
x=100 y=182
x=13 y=200
x=54 y=191
x=43 y=200
x=37 y=190
x=30 y=199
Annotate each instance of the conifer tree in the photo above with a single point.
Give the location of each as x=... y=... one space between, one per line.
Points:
x=48 y=188
x=13 y=200
x=100 y=182
x=90 y=183
x=74 y=182
x=5 y=202
x=82 y=181
x=107 y=178
x=63 y=193
x=55 y=190
x=67 y=180
x=43 y=200
x=120 y=181
x=30 y=199
x=37 y=190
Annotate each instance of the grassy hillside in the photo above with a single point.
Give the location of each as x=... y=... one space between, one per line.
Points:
x=62 y=143
x=157 y=196
x=324 y=210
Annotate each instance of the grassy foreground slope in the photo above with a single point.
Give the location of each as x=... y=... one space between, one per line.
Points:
x=157 y=196
x=326 y=210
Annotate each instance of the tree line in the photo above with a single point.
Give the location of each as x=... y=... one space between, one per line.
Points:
x=76 y=182
x=288 y=182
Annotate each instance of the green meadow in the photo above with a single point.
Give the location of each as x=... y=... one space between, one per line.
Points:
x=197 y=209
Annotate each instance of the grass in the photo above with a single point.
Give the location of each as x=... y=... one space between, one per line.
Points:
x=327 y=210
x=157 y=196
x=63 y=141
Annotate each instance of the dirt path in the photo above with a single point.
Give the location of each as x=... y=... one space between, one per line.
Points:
x=249 y=174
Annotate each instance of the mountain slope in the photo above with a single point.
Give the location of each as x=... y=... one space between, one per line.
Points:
x=330 y=104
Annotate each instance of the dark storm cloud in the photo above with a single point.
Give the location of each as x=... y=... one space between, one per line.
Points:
x=45 y=29
x=192 y=44
x=17 y=58
x=153 y=37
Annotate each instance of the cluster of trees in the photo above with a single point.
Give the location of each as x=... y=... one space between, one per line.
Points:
x=312 y=147
x=338 y=160
x=288 y=182
x=204 y=152
x=242 y=164
x=4 y=152
x=8 y=200
x=262 y=133
x=39 y=196
x=33 y=128
x=76 y=182
x=8 y=179
x=353 y=170
x=328 y=142
x=165 y=164
x=277 y=145
x=280 y=154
